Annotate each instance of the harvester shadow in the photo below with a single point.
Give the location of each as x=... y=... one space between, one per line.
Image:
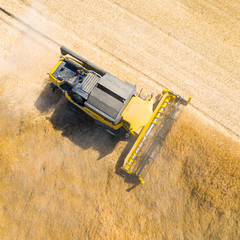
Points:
x=78 y=127
x=47 y=99
x=83 y=130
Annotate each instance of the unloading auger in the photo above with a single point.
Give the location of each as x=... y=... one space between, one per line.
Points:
x=117 y=104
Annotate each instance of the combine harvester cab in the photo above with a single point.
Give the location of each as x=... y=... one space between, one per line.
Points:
x=117 y=104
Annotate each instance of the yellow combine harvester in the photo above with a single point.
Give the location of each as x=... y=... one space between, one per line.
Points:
x=117 y=104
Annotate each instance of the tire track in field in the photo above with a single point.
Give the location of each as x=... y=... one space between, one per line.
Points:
x=177 y=39
x=219 y=5
x=233 y=76
x=146 y=75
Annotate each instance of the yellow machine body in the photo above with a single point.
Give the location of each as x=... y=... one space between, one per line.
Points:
x=85 y=109
x=52 y=78
x=136 y=115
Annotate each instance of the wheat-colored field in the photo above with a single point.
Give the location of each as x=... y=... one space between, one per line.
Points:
x=60 y=172
x=63 y=184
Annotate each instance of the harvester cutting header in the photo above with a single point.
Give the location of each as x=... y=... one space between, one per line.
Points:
x=117 y=104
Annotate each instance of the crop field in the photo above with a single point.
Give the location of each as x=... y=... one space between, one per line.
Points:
x=60 y=174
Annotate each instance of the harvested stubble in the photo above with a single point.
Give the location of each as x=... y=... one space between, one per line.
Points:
x=53 y=188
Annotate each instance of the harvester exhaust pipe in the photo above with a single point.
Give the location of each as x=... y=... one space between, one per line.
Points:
x=65 y=51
